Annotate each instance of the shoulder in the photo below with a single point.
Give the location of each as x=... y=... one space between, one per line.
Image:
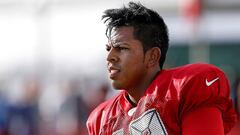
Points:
x=203 y=78
x=191 y=71
x=199 y=76
x=196 y=69
x=202 y=85
x=194 y=81
x=103 y=107
x=98 y=116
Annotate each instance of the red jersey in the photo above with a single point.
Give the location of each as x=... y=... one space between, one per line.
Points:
x=171 y=95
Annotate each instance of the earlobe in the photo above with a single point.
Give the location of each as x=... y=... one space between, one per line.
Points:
x=154 y=56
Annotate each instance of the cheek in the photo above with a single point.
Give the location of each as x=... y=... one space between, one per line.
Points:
x=133 y=66
x=132 y=62
x=135 y=61
x=133 y=57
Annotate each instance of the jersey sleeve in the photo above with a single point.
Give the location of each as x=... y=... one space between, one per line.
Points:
x=208 y=87
x=203 y=121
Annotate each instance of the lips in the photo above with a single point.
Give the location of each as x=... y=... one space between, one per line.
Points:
x=113 y=72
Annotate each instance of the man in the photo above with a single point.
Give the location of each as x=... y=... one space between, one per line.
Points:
x=188 y=100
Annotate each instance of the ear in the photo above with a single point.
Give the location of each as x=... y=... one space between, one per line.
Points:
x=152 y=57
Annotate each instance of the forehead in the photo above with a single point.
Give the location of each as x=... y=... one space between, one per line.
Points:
x=124 y=33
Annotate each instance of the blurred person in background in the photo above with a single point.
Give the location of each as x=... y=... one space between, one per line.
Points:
x=21 y=115
x=188 y=100
x=4 y=106
x=98 y=95
x=73 y=112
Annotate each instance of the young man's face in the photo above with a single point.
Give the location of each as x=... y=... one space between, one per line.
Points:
x=125 y=59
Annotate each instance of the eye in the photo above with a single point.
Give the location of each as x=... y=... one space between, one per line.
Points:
x=120 y=48
x=108 y=48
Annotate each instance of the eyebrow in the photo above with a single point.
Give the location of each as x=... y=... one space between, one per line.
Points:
x=117 y=44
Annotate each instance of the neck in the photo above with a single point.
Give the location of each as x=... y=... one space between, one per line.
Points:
x=135 y=94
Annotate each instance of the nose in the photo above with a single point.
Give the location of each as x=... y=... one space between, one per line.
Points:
x=112 y=56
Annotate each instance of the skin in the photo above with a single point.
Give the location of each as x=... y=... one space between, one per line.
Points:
x=129 y=67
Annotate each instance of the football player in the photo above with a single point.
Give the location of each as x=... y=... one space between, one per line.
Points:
x=188 y=100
